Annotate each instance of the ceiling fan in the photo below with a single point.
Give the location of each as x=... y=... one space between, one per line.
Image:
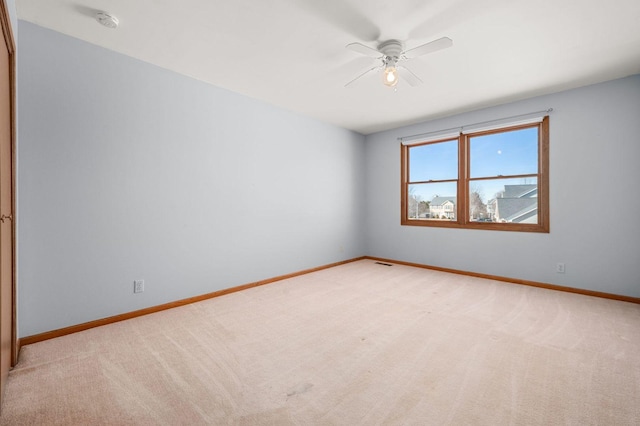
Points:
x=391 y=54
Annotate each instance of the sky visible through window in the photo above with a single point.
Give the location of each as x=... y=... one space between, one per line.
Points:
x=498 y=154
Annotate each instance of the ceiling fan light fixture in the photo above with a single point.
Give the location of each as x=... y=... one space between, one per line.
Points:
x=392 y=52
x=390 y=76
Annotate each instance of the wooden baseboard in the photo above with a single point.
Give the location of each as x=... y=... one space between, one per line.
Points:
x=515 y=281
x=116 y=318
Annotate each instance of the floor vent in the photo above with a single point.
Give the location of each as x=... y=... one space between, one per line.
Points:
x=384 y=264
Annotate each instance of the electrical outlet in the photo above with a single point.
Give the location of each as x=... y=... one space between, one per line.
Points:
x=560 y=268
x=138 y=286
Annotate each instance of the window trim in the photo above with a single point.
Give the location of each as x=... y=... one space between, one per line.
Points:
x=462 y=211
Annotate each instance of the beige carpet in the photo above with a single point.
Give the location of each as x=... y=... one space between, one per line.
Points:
x=358 y=344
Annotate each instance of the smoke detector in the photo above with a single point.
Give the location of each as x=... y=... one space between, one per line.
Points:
x=107 y=20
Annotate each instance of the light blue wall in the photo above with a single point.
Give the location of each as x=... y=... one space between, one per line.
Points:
x=594 y=178
x=11 y=7
x=128 y=171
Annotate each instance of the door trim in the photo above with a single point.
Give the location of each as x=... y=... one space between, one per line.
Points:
x=7 y=30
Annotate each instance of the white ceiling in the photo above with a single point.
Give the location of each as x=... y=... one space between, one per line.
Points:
x=291 y=53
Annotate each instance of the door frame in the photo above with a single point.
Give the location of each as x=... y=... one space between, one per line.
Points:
x=7 y=30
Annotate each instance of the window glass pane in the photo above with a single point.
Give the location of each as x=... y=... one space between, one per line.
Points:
x=504 y=200
x=503 y=154
x=434 y=201
x=435 y=161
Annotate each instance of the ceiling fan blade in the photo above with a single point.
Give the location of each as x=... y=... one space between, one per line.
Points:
x=409 y=76
x=352 y=82
x=432 y=46
x=364 y=50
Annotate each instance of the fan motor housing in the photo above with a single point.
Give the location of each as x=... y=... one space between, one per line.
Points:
x=391 y=48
